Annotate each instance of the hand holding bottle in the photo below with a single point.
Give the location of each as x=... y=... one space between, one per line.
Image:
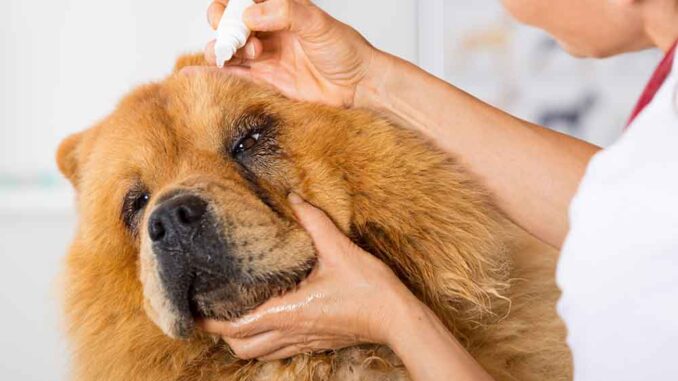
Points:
x=302 y=51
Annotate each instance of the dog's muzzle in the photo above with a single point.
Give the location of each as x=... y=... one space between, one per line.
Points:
x=187 y=256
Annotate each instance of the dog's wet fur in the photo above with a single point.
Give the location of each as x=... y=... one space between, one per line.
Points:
x=183 y=214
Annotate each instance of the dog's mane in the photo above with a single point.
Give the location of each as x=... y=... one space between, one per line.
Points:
x=414 y=207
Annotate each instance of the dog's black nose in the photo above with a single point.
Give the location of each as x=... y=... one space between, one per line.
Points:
x=177 y=217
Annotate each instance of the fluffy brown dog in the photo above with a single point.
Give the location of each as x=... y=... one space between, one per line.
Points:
x=183 y=214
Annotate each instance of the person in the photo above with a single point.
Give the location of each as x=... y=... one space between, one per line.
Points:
x=619 y=262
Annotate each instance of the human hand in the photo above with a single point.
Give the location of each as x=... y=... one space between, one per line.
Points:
x=302 y=51
x=350 y=298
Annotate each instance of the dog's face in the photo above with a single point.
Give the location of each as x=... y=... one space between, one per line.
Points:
x=191 y=175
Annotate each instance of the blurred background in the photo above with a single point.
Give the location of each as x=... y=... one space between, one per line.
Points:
x=64 y=64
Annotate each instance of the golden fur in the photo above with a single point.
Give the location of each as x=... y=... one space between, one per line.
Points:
x=392 y=192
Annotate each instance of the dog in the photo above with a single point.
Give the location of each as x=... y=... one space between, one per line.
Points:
x=181 y=196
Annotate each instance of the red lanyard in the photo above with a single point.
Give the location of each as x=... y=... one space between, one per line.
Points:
x=656 y=82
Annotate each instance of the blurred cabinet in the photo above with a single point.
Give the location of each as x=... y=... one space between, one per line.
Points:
x=523 y=71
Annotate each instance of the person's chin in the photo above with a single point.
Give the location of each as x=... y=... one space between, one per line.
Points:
x=600 y=51
x=585 y=51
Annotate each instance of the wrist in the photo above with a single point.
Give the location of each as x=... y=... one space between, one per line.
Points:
x=397 y=90
x=429 y=351
x=370 y=91
x=407 y=315
x=414 y=325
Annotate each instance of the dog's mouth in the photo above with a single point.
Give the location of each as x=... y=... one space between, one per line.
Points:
x=218 y=297
x=229 y=299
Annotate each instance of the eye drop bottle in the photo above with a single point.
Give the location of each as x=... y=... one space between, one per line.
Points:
x=232 y=32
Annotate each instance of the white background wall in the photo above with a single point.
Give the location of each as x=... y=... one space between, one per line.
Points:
x=63 y=65
x=31 y=249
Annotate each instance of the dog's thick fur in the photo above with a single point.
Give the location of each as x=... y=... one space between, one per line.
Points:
x=395 y=194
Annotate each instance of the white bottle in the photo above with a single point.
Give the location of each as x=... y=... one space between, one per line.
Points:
x=232 y=32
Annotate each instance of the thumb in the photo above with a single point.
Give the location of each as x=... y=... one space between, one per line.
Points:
x=277 y=15
x=328 y=239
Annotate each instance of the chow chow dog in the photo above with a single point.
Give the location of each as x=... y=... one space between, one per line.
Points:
x=181 y=196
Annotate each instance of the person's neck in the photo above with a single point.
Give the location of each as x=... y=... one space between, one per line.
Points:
x=661 y=23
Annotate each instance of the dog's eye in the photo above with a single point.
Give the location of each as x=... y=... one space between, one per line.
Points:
x=135 y=201
x=246 y=143
x=140 y=202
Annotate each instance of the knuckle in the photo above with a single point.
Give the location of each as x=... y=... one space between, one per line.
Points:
x=234 y=333
x=242 y=353
x=292 y=350
x=283 y=11
x=286 y=10
x=238 y=333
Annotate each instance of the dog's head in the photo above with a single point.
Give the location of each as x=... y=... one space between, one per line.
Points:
x=191 y=176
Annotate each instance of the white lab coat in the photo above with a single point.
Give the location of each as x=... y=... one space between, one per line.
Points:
x=619 y=265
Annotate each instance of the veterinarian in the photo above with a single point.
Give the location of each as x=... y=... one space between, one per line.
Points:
x=613 y=212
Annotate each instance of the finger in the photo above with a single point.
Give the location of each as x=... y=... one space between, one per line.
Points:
x=215 y=327
x=270 y=316
x=239 y=58
x=225 y=2
x=252 y=49
x=278 y=78
x=325 y=234
x=257 y=346
x=285 y=353
x=215 y=11
x=242 y=329
x=238 y=71
x=210 y=54
x=276 y=15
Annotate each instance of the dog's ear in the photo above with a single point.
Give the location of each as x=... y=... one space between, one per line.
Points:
x=197 y=59
x=68 y=157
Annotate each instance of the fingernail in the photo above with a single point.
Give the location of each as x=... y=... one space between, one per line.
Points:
x=295 y=199
x=252 y=16
x=250 y=51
